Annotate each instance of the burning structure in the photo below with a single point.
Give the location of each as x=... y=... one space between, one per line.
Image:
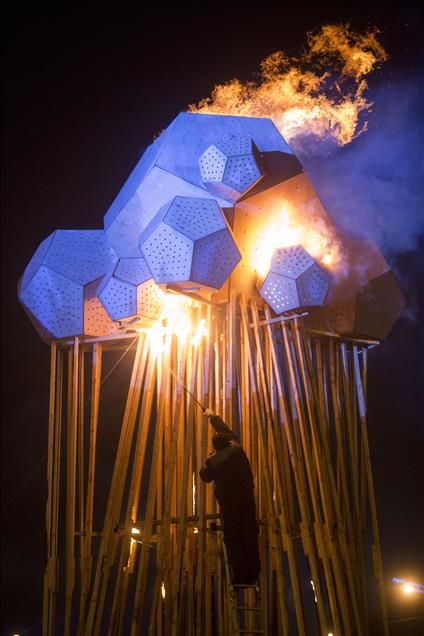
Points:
x=220 y=267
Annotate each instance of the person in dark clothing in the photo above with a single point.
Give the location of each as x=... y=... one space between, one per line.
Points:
x=230 y=470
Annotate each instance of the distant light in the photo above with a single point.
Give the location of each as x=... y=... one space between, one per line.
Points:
x=195 y=530
x=163 y=590
x=408 y=589
x=330 y=634
x=135 y=531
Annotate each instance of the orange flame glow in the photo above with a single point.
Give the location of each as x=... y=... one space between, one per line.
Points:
x=283 y=229
x=174 y=320
x=320 y=94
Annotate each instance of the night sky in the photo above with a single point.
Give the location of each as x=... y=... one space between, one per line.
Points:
x=84 y=92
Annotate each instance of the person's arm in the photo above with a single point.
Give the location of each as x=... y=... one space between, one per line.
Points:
x=206 y=473
x=220 y=426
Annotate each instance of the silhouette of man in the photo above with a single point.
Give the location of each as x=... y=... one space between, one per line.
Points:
x=229 y=468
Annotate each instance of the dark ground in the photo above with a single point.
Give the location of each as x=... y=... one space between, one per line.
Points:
x=84 y=91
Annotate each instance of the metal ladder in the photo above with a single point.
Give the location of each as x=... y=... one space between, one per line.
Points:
x=233 y=597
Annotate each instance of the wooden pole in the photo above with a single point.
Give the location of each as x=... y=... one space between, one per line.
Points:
x=73 y=376
x=376 y=550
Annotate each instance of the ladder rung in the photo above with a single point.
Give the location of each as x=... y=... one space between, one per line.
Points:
x=249 y=609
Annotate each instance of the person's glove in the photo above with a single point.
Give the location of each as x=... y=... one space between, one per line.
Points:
x=208 y=413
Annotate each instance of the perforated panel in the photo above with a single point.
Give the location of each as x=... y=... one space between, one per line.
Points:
x=366 y=260
x=56 y=302
x=379 y=304
x=118 y=298
x=132 y=270
x=241 y=173
x=312 y=286
x=194 y=217
x=80 y=255
x=36 y=260
x=337 y=315
x=230 y=167
x=214 y=258
x=149 y=300
x=291 y=261
x=96 y=319
x=168 y=254
x=212 y=164
x=279 y=292
x=233 y=145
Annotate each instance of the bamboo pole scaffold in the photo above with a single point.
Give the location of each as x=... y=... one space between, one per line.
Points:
x=134 y=545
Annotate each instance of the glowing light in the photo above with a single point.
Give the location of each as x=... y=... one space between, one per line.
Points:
x=135 y=531
x=195 y=530
x=320 y=104
x=200 y=332
x=284 y=229
x=162 y=589
x=315 y=596
x=408 y=587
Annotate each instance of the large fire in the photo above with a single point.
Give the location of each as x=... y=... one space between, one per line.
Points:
x=318 y=94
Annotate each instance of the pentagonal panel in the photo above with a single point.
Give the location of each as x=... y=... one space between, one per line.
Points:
x=168 y=254
x=36 y=261
x=379 y=304
x=233 y=145
x=214 y=258
x=149 y=300
x=132 y=270
x=291 y=261
x=241 y=173
x=312 y=286
x=97 y=322
x=80 y=255
x=212 y=164
x=365 y=260
x=118 y=298
x=194 y=217
x=279 y=292
x=55 y=301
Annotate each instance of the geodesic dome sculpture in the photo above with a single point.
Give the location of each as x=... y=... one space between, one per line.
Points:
x=193 y=208
x=294 y=281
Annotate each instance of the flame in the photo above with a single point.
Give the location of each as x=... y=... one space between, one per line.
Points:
x=200 y=332
x=318 y=95
x=174 y=320
x=283 y=229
